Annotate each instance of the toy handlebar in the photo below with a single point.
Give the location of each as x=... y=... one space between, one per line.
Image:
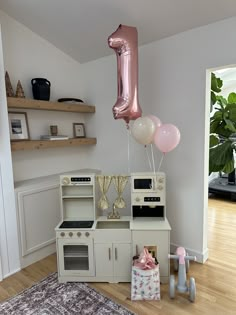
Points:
x=185 y=257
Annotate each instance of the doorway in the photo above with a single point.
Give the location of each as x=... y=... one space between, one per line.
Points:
x=219 y=186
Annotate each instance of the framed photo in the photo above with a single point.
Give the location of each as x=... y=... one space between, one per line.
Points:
x=18 y=125
x=79 y=130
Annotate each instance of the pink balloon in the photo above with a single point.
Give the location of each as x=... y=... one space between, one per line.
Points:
x=124 y=41
x=155 y=119
x=166 y=137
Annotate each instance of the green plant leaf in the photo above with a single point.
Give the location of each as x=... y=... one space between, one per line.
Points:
x=232 y=98
x=232 y=115
x=216 y=83
x=218 y=115
x=221 y=101
x=230 y=125
x=229 y=167
x=221 y=154
x=213 y=99
x=214 y=140
x=218 y=127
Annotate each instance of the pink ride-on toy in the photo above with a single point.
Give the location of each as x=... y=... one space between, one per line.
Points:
x=181 y=264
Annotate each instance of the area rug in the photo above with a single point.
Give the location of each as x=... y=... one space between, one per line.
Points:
x=48 y=297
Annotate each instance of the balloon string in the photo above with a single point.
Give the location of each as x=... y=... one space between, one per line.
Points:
x=161 y=161
x=148 y=157
x=128 y=149
x=153 y=162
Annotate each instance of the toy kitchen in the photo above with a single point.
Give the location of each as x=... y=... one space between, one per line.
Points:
x=93 y=247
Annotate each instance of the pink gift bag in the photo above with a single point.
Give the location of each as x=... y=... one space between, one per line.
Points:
x=145 y=280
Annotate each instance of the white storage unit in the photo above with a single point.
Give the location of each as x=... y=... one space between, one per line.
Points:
x=112 y=248
x=38 y=212
x=155 y=233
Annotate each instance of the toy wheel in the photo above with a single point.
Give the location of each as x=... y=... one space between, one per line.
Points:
x=172 y=287
x=187 y=264
x=192 y=289
x=176 y=264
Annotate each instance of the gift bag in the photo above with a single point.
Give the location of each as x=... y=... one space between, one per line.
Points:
x=145 y=280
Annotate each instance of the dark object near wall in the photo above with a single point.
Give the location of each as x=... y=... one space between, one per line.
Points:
x=41 y=89
x=72 y=100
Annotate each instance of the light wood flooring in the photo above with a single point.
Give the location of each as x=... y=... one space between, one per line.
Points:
x=215 y=280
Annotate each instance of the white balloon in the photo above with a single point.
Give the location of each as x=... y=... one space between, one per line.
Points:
x=143 y=130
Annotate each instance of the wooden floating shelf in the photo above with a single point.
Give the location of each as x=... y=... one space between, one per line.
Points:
x=45 y=144
x=24 y=103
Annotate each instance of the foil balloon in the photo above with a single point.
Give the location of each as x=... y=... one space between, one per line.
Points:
x=124 y=41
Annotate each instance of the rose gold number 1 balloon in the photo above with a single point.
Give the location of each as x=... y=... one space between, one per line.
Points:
x=124 y=41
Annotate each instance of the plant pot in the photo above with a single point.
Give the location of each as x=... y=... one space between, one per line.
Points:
x=231 y=178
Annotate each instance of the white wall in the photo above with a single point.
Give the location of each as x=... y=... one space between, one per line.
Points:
x=28 y=56
x=9 y=253
x=172 y=77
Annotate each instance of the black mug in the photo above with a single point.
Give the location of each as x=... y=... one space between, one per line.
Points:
x=41 y=89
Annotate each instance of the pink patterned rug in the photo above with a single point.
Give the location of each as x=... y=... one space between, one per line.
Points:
x=48 y=297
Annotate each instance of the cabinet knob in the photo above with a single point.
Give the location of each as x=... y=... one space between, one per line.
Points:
x=65 y=180
x=62 y=234
x=70 y=234
x=87 y=234
x=79 y=234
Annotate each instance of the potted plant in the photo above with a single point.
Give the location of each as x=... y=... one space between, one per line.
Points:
x=222 y=130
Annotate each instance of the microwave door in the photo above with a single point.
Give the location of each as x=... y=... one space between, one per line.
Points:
x=143 y=183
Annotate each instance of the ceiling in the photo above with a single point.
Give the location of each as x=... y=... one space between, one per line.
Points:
x=80 y=28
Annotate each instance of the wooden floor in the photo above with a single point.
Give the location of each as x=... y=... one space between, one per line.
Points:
x=215 y=280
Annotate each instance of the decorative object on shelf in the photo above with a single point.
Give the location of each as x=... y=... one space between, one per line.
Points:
x=19 y=90
x=104 y=183
x=70 y=100
x=18 y=125
x=58 y=137
x=41 y=89
x=79 y=130
x=53 y=130
x=9 y=89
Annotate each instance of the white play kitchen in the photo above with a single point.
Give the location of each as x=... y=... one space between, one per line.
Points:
x=95 y=247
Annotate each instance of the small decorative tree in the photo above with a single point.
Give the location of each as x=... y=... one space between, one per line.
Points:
x=222 y=129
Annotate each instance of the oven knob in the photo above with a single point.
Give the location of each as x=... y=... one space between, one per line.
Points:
x=87 y=234
x=137 y=199
x=70 y=234
x=160 y=187
x=79 y=234
x=161 y=180
x=65 y=180
x=62 y=234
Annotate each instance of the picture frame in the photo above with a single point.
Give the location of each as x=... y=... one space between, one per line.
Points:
x=79 y=130
x=18 y=126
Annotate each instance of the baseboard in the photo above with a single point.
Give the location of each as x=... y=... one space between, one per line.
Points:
x=201 y=256
x=11 y=273
x=37 y=255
